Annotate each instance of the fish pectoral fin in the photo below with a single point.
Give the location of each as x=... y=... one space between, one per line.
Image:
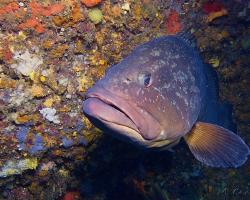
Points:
x=216 y=146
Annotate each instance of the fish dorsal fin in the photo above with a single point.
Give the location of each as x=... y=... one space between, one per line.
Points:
x=216 y=146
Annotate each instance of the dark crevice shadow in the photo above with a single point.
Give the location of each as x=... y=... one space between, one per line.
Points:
x=113 y=167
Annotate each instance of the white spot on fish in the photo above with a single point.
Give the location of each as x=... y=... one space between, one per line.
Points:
x=180 y=76
x=190 y=75
x=184 y=89
x=155 y=67
x=138 y=91
x=186 y=101
x=178 y=94
x=193 y=102
x=143 y=59
x=155 y=53
x=166 y=85
x=177 y=56
x=173 y=65
x=157 y=89
x=162 y=96
x=161 y=62
x=194 y=89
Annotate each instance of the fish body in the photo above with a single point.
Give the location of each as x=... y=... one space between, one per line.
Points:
x=160 y=93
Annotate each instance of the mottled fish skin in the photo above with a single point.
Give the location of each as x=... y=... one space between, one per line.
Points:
x=168 y=107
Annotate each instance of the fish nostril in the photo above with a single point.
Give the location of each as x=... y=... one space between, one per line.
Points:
x=127 y=80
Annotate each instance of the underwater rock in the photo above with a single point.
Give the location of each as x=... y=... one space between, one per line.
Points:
x=173 y=25
x=33 y=24
x=72 y=195
x=67 y=143
x=50 y=115
x=210 y=7
x=12 y=167
x=21 y=136
x=38 y=9
x=26 y=62
x=126 y=6
x=22 y=193
x=95 y=15
x=91 y=3
x=45 y=168
x=38 y=145
x=214 y=15
x=38 y=91
x=9 y=8
x=6 y=82
x=215 y=62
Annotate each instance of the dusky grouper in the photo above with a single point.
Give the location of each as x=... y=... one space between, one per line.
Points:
x=160 y=93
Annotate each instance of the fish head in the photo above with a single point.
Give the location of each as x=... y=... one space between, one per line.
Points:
x=129 y=101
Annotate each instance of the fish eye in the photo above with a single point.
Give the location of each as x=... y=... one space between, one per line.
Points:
x=145 y=79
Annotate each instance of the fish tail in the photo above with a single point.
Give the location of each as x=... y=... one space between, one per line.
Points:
x=216 y=146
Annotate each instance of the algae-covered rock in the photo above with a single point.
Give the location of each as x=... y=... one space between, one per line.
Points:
x=26 y=62
x=13 y=167
x=95 y=15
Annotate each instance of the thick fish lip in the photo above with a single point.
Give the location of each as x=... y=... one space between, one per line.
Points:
x=107 y=106
x=129 y=122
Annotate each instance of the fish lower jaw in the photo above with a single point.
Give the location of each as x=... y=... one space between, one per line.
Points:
x=126 y=133
x=119 y=126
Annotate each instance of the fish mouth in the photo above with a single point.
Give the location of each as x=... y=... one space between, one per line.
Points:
x=107 y=111
x=118 y=114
